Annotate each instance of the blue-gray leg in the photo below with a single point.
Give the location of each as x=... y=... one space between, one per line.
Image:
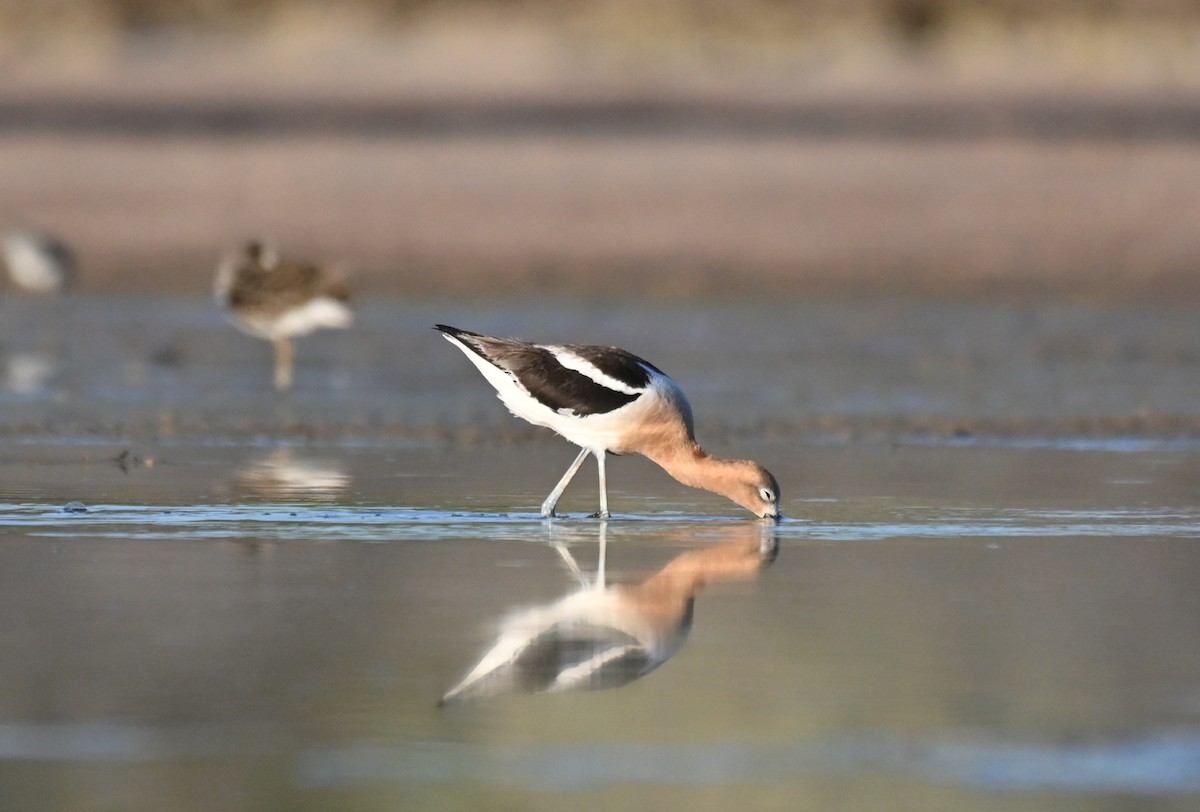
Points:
x=552 y=499
x=603 y=514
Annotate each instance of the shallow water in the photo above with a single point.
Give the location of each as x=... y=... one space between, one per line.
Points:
x=168 y=367
x=203 y=635
x=256 y=617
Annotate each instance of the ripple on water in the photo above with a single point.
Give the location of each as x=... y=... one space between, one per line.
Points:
x=1154 y=764
x=1165 y=763
x=307 y=522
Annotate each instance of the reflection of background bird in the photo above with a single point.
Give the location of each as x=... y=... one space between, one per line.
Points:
x=39 y=263
x=605 y=400
x=278 y=301
x=281 y=474
x=605 y=637
x=31 y=372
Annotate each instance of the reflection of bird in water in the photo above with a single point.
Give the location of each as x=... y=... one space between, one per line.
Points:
x=38 y=263
x=280 y=474
x=607 y=400
x=279 y=300
x=608 y=636
x=31 y=373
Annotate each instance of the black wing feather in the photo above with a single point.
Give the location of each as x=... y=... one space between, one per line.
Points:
x=617 y=363
x=560 y=388
x=554 y=385
x=573 y=644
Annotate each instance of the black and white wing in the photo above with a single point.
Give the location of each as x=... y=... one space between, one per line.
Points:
x=569 y=379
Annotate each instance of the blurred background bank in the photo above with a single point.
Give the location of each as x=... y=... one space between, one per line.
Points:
x=663 y=148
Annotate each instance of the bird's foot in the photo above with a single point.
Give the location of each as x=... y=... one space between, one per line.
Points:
x=600 y=514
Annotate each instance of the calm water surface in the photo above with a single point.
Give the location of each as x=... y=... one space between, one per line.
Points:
x=245 y=627
x=254 y=619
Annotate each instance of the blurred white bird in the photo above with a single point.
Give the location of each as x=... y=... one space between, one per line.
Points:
x=38 y=262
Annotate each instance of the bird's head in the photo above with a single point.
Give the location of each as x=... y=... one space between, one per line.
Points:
x=756 y=490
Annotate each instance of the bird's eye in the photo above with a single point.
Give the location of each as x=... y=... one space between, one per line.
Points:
x=766 y=495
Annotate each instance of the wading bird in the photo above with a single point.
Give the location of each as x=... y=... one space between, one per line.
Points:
x=607 y=400
x=278 y=300
x=38 y=262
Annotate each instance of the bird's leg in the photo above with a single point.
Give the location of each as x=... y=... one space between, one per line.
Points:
x=603 y=514
x=552 y=499
x=602 y=556
x=570 y=562
x=283 y=362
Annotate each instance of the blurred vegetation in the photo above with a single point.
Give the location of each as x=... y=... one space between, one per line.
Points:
x=1096 y=40
x=906 y=20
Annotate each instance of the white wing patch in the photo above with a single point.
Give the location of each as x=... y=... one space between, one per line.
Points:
x=584 y=367
x=321 y=311
x=578 y=675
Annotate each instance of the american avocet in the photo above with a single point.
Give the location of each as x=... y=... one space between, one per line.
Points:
x=38 y=262
x=608 y=636
x=607 y=400
x=279 y=300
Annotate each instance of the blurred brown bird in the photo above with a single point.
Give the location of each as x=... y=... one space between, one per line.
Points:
x=278 y=300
